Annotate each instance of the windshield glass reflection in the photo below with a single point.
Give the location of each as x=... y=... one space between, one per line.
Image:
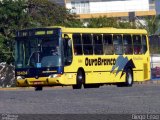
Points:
x=38 y=52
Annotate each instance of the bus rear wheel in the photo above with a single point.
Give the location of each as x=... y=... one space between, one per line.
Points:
x=79 y=80
x=129 y=79
x=38 y=88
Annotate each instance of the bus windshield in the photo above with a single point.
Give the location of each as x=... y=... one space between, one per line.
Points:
x=43 y=51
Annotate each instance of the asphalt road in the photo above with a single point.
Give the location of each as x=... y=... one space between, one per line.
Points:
x=139 y=99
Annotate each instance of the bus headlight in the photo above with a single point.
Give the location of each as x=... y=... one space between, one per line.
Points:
x=54 y=75
x=20 y=77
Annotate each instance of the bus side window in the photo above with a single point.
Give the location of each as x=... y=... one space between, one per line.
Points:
x=118 y=47
x=108 y=44
x=77 y=44
x=137 y=44
x=67 y=43
x=144 y=44
x=87 y=44
x=97 y=43
x=127 y=44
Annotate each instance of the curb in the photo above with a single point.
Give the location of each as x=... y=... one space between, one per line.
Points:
x=149 y=82
x=155 y=81
x=31 y=88
x=13 y=88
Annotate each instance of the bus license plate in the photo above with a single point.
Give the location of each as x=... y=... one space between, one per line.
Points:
x=37 y=83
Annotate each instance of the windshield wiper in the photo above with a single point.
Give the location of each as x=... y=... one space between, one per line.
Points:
x=29 y=60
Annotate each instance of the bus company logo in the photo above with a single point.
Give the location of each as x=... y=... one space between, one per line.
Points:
x=99 y=61
x=122 y=64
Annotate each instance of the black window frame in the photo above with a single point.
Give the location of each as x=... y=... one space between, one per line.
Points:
x=127 y=44
x=144 y=46
x=87 y=46
x=108 y=47
x=78 y=47
x=97 y=44
x=118 y=46
x=137 y=46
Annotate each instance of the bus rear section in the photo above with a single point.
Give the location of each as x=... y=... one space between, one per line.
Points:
x=118 y=56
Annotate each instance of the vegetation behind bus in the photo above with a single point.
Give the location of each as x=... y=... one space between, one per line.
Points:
x=154 y=41
x=22 y=14
x=19 y=14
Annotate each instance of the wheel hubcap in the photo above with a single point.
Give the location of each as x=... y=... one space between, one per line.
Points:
x=80 y=77
x=129 y=79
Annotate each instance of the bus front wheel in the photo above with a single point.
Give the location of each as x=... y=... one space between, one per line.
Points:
x=38 y=88
x=79 y=80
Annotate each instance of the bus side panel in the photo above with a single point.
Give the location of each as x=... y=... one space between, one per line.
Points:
x=101 y=72
x=141 y=72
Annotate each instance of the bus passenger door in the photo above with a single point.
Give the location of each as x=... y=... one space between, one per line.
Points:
x=67 y=48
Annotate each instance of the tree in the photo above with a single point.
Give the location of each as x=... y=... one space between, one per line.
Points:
x=124 y=24
x=21 y=14
x=2 y=57
x=12 y=17
x=47 y=13
x=152 y=24
x=75 y=23
x=110 y=22
x=102 y=22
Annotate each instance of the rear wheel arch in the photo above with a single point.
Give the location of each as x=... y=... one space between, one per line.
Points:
x=129 y=77
x=132 y=72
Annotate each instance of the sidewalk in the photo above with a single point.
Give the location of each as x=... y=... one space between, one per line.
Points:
x=152 y=81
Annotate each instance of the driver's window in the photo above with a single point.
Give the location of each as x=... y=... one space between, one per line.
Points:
x=67 y=50
x=50 y=47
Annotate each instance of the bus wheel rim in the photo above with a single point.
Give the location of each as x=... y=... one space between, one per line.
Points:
x=129 y=79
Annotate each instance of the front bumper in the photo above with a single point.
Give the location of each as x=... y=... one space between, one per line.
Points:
x=60 y=79
x=41 y=81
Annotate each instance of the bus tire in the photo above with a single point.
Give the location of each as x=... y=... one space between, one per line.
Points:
x=128 y=81
x=129 y=78
x=79 y=80
x=38 y=88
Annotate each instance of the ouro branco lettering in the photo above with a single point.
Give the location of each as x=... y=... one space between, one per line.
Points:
x=100 y=61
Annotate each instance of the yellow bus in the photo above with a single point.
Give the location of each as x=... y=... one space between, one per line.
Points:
x=88 y=57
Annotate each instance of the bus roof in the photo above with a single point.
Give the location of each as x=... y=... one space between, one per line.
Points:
x=104 y=30
x=43 y=31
